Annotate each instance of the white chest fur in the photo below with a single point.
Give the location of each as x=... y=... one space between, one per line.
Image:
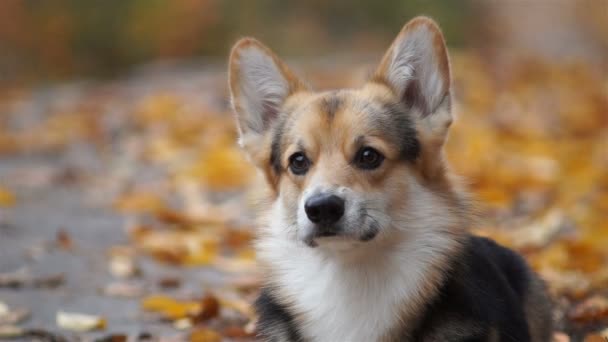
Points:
x=351 y=301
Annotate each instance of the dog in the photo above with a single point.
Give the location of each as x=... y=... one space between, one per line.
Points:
x=365 y=235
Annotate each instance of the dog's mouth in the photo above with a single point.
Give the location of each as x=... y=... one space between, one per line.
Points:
x=311 y=239
x=334 y=235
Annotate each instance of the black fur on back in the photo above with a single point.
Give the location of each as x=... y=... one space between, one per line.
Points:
x=485 y=293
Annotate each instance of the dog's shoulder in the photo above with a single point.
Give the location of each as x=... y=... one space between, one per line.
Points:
x=487 y=296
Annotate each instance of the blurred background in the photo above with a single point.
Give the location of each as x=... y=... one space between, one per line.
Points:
x=69 y=39
x=123 y=196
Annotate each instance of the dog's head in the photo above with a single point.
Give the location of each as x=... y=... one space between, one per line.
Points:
x=352 y=164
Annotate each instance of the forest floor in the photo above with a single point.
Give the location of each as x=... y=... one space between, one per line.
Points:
x=127 y=201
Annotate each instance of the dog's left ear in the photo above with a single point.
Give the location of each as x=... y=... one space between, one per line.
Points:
x=416 y=68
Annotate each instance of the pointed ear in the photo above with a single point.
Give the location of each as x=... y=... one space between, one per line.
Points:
x=416 y=67
x=417 y=70
x=260 y=83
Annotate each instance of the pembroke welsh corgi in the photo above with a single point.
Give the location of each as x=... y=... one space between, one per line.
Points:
x=365 y=234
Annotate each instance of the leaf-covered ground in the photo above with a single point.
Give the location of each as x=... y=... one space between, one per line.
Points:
x=128 y=202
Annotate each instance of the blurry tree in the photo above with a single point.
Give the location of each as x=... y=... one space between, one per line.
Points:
x=73 y=38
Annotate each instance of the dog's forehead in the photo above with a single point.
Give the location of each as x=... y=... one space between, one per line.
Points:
x=343 y=108
x=336 y=117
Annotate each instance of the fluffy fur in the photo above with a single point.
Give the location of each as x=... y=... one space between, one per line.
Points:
x=399 y=264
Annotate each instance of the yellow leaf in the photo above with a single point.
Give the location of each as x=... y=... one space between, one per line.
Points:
x=170 y=308
x=205 y=335
x=7 y=199
x=139 y=202
x=223 y=167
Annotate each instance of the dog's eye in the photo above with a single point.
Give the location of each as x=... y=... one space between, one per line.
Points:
x=368 y=158
x=298 y=163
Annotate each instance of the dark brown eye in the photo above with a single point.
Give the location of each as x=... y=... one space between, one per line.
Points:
x=368 y=158
x=299 y=163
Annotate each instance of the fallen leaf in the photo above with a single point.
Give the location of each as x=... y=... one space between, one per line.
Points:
x=51 y=281
x=183 y=324
x=235 y=331
x=137 y=202
x=122 y=263
x=13 y=316
x=179 y=247
x=63 y=240
x=594 y=338
x=223 y=167
x=205 y=335
x=7 y=199
x=113 y=338
x=11 y=331
x=22 y=278
x=80 y=322
x=239 y=305
x=169 y=282
x=175 y=217
x=560 y=337
x=209 y=308
x=144 y=336
x=173 y=309
x=44 y=335
x=170 y=308
x=540 y=232
x=124 y=290
x=592 y=309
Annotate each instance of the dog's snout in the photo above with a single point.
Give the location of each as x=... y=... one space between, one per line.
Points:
x=324 y=209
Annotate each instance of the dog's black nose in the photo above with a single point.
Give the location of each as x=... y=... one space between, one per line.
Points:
x=324 y=209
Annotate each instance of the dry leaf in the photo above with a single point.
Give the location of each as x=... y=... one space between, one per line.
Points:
x=183 y=324
x=7 y=199
x=122 y=263
x=80 y=322
x=113 y=338
x=560 y=337
x=180 y=247
x=137 y=202
x=241 y=306
x=209 y=308
x=170 y=308
x=223 y=167
x=235 y=331
x=539 y=232
x=122 y=289
x=63 y=240
x=592 y=309
x=169 y=283
x=205 y=335
x=11 y=331
x=22 y=278
x=594 y=338
x=173 y=309
x=13 y=316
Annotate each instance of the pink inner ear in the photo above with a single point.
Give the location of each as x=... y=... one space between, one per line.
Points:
x=270 y=113
x=413 y=97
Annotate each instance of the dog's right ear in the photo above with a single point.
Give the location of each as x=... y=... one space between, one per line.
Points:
x=260 y=83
